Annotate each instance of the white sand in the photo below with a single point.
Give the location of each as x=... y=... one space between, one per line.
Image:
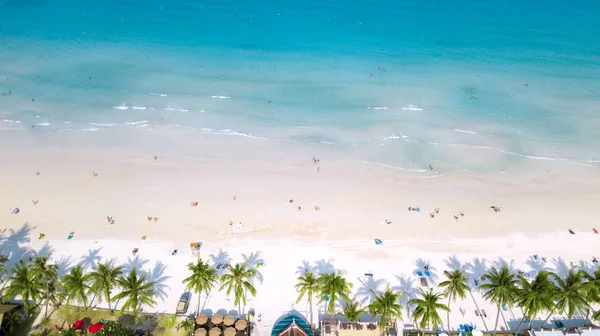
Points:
x=131 y=185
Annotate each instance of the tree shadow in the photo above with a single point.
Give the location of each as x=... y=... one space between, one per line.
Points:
x=560 y=267
x=424 y=267
x=324 y=266
x=501 y=263
x=455 y=264
x=475 y=271
x=45 y=251
x=587 y=267
x=91 y=259
x=134 y=263
x=255 y=260
x=223 y=258
x=536 y=265
x=64 y=266
x=368 y=289
x=157 y=276
x=406 y=285
x=305 y=267
x=14 y=246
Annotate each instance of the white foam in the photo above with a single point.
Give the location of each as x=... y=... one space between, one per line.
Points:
x=12 y=121
x=136 y=122
x=233 y=132
x=378 y=108
x=10 y=128
x=139 y=107
x=142 y=125
x=465 y=131
x=220 y=97
x=170 y=109
x=121 y=107
x=411 y=107
x=394 y=137
x=43 y=124
x=533 y=157
x=158 y=94
x=91 y=129
x=328 y=142
x=207 y=129
x=394 y=167
x=103 y=125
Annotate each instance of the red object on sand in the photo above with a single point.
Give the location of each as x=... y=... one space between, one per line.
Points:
x=595 y=231
x=79 y=324
x=94 y=328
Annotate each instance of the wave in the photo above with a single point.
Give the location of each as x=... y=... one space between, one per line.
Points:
x=533 y=157
x=43 y=124
x=465 y=131
x=103 y=125
x=395 y=167
x=378 y=108
x=178 y=110
x=121 y=107
x=411 y=107
x=394 y=137
x=10 y=128
x=91 y=129
x=136 y=122
x=158 y=94
x=139 y=107
x=220 y=97
x=234 y=132
x=12 y=121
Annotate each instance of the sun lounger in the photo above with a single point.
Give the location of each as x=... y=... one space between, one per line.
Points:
x=476 y=312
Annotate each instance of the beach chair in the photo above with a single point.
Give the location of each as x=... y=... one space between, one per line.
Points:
x=476 y=312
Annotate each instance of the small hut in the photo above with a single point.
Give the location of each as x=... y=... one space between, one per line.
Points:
x=201 y=319
x=216 y=319
x=291 y=324
x=200 y=332
x=228 y=320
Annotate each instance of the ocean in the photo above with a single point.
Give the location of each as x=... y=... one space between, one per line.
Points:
x=483 y=87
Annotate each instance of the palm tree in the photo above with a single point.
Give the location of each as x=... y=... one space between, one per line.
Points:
x=571 y=294
x=427 y=308
x=592 y=289
x=332 y=287
x=25 y=284
x=136 y=290
x=203 y=279
x=500 y=289
x=188 y=325
x=239 y=280
x=3 y=271
x=103 y=279
x=307 y=285
x=535 y=296
x=455 y=286
x=46 y=275
x=353 y=312
x=75 y=285
x=387 y=305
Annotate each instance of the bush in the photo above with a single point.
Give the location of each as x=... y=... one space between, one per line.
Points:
x=112 y=328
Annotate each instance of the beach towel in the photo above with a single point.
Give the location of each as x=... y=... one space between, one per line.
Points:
x=427 y=273
x=378 y=243
x=419 y=273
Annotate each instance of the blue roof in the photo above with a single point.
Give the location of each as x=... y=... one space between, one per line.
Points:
x=286 y=320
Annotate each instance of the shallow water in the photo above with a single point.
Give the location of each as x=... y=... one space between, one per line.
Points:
x=486 y=87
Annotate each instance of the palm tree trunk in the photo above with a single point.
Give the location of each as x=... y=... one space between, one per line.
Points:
x=93 y=298
x=198 y=307
x=107 y=293
x=448 y=313
x=519 y=326
x=549 y=315
x=496 y=323
x=477 y=307
x=311 y=310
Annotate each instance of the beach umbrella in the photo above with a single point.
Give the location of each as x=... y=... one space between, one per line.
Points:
x=79 y=324
x=94 y=328
x=230 y=331
x=214 y=332
x=216 y=319
x=228 y=320
x=242 y=324
x=200 y=332
x=476 y=333
x=201 y=319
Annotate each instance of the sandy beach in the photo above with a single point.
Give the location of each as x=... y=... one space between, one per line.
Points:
x=248 y=187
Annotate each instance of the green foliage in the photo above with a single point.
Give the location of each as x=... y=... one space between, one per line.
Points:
x=103 y=279
x=136 y=291
x=307 y=285
x=203 y=278
x=334 y=286
x=238 y=279
x=75 y=285
x=353 y=312
x=188 y=325
x=455 y=286
x=112 y=328
x=24 y=283
x=387 y=305
x=11 y=322
x=427 y=308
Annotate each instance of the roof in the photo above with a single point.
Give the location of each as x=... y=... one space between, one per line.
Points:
x=6 y=307
x=292 y=324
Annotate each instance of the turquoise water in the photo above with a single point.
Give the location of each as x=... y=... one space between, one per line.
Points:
x=477 y=86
